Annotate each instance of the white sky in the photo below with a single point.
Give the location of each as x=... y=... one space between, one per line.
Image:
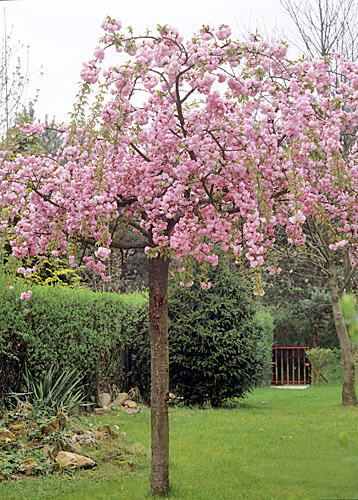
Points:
x=62 y=34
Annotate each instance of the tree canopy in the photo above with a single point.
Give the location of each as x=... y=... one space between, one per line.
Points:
x=210 y=141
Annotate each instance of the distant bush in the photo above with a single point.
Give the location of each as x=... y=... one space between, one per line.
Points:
x=219 y=347
x=104 y=336
x=322 y=362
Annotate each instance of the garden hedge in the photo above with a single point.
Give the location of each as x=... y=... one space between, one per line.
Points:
x=105 y=336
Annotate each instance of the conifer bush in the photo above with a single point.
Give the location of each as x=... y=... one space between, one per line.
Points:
x=219 y=347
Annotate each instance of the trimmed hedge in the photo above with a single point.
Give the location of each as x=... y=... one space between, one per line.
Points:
x=105 y=336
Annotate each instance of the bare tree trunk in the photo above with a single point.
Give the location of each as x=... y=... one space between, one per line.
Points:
x=349 y=397
x=158 y=315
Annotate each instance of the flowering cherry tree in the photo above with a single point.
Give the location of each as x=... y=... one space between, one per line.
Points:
x=188 y=145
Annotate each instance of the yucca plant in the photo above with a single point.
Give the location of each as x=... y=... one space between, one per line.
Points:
x=54 y=393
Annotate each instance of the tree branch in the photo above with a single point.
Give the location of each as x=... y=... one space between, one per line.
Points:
x=121 y=245
x=348 y=278
x=139 y=151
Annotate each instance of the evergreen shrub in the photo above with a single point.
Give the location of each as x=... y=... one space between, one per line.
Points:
x=104 y=336
x=219 y=347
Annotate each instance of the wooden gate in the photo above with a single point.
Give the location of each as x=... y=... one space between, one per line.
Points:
x=290 y=365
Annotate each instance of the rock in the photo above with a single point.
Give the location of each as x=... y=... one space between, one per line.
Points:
x=28 y=465
x=62 y=420
x=104 y=399
x=100 y=411
x=48 y=450
x=130 y=410
x=17 y=427
x=59 y=423
x=120 y=399
x=106 y=430
x=7 y=438
x=74 y=461
x=68 y=442
x=130 y=404
x=87 y=438
x=50 y=427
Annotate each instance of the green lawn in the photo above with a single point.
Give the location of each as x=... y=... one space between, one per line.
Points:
x=289 y=448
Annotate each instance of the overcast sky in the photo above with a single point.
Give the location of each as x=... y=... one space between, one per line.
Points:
x=62 y=34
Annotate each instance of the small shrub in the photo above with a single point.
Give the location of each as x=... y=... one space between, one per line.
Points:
x=322 y=360
x=55 y=393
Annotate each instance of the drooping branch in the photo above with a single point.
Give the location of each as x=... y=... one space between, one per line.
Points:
x=121 y=245
x=321 y=246
x=348 y=278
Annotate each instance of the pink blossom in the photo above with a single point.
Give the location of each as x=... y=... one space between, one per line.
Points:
x=298 y=217
x=25 y=295
x=99 y=53
x=90 y=72
x=102 y=253
x=33 y=128
x=339 y=244
x=72 y=261
x=223 y=33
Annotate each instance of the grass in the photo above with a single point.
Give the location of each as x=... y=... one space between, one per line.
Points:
x=289 y=448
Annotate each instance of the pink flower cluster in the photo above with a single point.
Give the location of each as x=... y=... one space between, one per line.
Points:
x=339 y=244
x=176 y=163
x=33 y=128
x=102 y=253
x=25 y=295
x=90 y=72
x=26 y=272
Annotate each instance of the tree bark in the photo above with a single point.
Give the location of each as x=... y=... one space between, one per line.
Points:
x=158 y=316
x=349 y=397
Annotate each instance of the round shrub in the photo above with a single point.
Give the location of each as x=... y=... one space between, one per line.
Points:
x=217 y=345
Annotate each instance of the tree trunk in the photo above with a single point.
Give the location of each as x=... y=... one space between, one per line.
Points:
x=349 y=397
x=158 y=316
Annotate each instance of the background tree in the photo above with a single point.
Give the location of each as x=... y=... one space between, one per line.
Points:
x=185 y=164
x=327 y=27
x=299 y=298
x=14 y=79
